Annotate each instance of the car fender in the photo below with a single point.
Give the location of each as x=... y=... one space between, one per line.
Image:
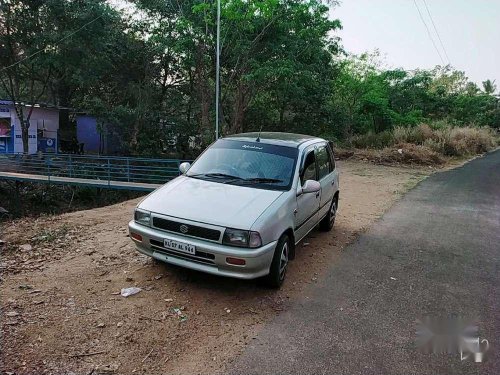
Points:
x=276 y=219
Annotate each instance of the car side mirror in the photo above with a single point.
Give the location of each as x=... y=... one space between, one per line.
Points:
x=184 y=167
x=310 y=186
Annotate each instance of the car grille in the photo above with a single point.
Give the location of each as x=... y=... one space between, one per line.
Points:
x=186 y=229
x=199 y=256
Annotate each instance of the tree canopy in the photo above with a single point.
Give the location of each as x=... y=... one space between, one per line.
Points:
x=148 y=73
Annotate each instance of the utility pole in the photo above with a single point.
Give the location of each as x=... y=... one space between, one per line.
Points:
x=217 y=68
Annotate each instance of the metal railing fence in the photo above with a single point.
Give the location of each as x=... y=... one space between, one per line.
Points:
x=92 y=167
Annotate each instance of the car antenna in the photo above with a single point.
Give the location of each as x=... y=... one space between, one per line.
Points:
x=258 y=137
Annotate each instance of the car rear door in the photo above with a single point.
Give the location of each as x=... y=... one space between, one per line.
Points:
x=306 y=215
x=326 y=178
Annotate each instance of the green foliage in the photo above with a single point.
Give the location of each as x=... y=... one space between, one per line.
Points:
x=147 y=73
x=368 y=98
x=489 y=87
x=373 y=140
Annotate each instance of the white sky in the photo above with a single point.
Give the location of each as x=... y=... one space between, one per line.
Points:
x=469 y=29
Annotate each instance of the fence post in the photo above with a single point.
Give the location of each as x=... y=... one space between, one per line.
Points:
x=109 y=173
x=48 y=166
x=128 y=170
x=70 y=166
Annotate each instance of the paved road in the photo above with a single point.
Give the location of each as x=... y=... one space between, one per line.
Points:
x=441 y=243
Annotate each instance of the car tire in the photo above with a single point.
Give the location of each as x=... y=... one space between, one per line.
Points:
x=279 y=264
x=326 y=224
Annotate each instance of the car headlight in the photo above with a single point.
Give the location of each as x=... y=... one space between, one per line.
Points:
x=142 y=217
x=241 y=238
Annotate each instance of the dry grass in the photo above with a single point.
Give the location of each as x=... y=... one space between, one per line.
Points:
x=423 y=144
x=417 y=135
x=402 y=153
x=462 y=141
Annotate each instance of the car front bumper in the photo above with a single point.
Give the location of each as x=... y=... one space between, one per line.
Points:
x=210 y=256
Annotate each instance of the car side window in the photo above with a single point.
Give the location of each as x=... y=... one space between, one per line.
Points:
x=309 y=170
x=324 y=162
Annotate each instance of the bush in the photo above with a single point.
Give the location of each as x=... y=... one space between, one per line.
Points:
x=463 y=141
x=417 y=135
x=410 y=153
x=401 y=153
x=401 y=134
x=440 y=124
x=373 y=140
x=437 y=137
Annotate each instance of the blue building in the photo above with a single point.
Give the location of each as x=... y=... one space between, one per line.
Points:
x=52 y=129
x=42 y=133
x=89 y=135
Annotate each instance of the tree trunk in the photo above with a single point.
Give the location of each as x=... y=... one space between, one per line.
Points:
x=240 y=104
x=134 y=136
x=205 y=107
x=282 y=117
x=191 y=99
x=65 y=132
x=25 y=126
x=203 y=92
x=25 y=136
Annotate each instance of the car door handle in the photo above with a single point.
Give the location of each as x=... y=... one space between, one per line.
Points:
x=317 y=194
x=333 y=182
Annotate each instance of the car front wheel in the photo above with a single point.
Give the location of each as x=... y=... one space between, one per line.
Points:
x=279 y=263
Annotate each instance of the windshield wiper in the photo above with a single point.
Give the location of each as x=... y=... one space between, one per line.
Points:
x=261 y=180
x=216 y=175
x=239 y=180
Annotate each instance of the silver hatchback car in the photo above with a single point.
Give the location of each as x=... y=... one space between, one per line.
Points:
x=242 y=206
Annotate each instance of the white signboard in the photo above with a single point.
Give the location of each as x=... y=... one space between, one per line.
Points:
x=32 y=138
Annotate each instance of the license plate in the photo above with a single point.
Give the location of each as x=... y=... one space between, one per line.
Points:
x=179 y=246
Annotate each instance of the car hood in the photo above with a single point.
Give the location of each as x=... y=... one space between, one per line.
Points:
x=210 y=202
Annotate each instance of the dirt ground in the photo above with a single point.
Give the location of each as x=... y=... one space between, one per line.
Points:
x=61 y=278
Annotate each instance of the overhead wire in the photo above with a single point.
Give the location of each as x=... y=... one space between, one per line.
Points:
x=428 y=32
x=437 y=32
x=43 y=49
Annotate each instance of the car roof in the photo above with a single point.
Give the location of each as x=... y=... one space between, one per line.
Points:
x=275 y=138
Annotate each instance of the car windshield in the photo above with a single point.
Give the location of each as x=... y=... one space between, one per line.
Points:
x=247 y=163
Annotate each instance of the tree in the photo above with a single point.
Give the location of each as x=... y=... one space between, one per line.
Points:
x=276 y=62
x=471 y=89
x=53 y=50
x=150 y=79
x=447 y=81
x=25 y=71
x=489 y=87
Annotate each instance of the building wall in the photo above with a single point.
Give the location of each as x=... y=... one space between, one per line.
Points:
x=87 y=133
x=6 y=139
x=44 y=119
x=6 y=143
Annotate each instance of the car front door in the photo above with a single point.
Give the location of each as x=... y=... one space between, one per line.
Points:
x=306 y=216
x=326 y=178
